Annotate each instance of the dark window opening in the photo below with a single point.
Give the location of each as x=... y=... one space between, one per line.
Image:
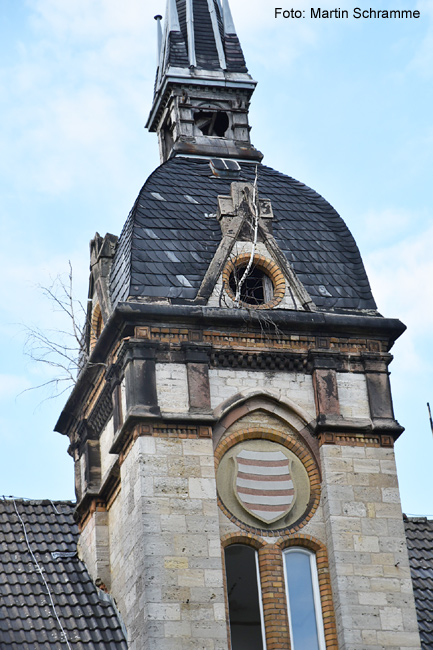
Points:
x=257 y=288
x=213 y=123
x=168 y=139
x=243 y=597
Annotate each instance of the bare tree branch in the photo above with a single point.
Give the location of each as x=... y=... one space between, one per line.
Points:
x=64 y=350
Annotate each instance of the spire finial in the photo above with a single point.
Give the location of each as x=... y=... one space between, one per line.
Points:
x=173 y=17
x=229 y=26
x=158 y=19
x=191 y=34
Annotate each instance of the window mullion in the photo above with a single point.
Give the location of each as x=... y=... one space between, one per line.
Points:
x=317 y=602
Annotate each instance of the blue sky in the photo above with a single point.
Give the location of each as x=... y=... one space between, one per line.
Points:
x=345 y=106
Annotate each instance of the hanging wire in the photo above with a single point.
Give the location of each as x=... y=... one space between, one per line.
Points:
x=54 y=506
x=40 y=570
x=255 y=213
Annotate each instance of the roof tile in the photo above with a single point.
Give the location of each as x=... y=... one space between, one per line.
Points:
x=314 y=238
x=27 y=620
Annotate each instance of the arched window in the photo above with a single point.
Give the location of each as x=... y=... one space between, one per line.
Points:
x=244 y=598
x=303 y=600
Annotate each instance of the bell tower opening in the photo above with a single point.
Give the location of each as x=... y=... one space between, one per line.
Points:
x=203 y=88
x=213 y=123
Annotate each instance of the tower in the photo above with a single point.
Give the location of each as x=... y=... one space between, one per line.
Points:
x=233 y=429
x=202 y=87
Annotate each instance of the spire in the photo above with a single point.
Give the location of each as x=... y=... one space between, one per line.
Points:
x=229 y=26
x=202 y=89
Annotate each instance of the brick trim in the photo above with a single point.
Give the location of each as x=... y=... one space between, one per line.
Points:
x=269 y=267
x=328 y=613
x=273 y=587
x=242 y=538
x=96 y=325
x=162 y=430
x=239 y=340
x=274 y=598
x=299 y=449
x=356 y=439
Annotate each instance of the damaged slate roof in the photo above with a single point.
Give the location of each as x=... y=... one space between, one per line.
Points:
x=171 y=236
x=205 y=36
x=419 y=536
x=38 y=561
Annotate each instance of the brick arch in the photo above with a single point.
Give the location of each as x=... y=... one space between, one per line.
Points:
x=96 y=325
x=268 y=267
x=299 y=449
x=250 y=539
x=328 y=614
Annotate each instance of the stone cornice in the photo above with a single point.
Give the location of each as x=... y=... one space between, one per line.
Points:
x=194 y=322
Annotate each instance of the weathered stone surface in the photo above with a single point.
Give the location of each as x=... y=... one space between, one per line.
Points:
x=165 y=547
x=369 y=565
x=172 y=387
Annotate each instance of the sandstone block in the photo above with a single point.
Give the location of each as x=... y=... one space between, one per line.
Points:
x=366 y=544
x=163 y=611
x=202 y=488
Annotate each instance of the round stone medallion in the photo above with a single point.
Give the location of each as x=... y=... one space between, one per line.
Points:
x=263 y=484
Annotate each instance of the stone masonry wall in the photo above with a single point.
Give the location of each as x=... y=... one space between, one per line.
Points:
x=94 y=547
x=352 y=395
x=172 y=387
x=367 y=551
x=167 y=575
x=105 y=442
x=224 y=383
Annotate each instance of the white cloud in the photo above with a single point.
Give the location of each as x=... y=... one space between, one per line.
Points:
x=91 y=19
x=401 y=276
x=377 y=229
x=422 y=61
x=75 y=98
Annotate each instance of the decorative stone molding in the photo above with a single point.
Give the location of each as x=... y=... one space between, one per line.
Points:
x=356 y=439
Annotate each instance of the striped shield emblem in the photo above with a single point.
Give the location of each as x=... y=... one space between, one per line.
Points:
x=264 y=485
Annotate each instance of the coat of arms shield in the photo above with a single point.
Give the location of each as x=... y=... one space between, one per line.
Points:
x=264 y=484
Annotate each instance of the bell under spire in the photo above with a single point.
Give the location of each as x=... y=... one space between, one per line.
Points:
x=203 y=88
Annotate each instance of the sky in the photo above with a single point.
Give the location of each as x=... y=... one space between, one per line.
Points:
x=343 y=105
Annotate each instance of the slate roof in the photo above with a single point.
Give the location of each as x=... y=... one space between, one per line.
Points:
x=204 y=37
x=171 y=235
x=27 y=619
x=419 y=535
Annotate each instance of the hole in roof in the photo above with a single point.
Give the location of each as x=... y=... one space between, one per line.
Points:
x=213 y=123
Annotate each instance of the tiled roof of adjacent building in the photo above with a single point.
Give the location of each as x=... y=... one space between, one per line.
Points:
x=419 y=535
x=38 y=562
x=171 y=236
